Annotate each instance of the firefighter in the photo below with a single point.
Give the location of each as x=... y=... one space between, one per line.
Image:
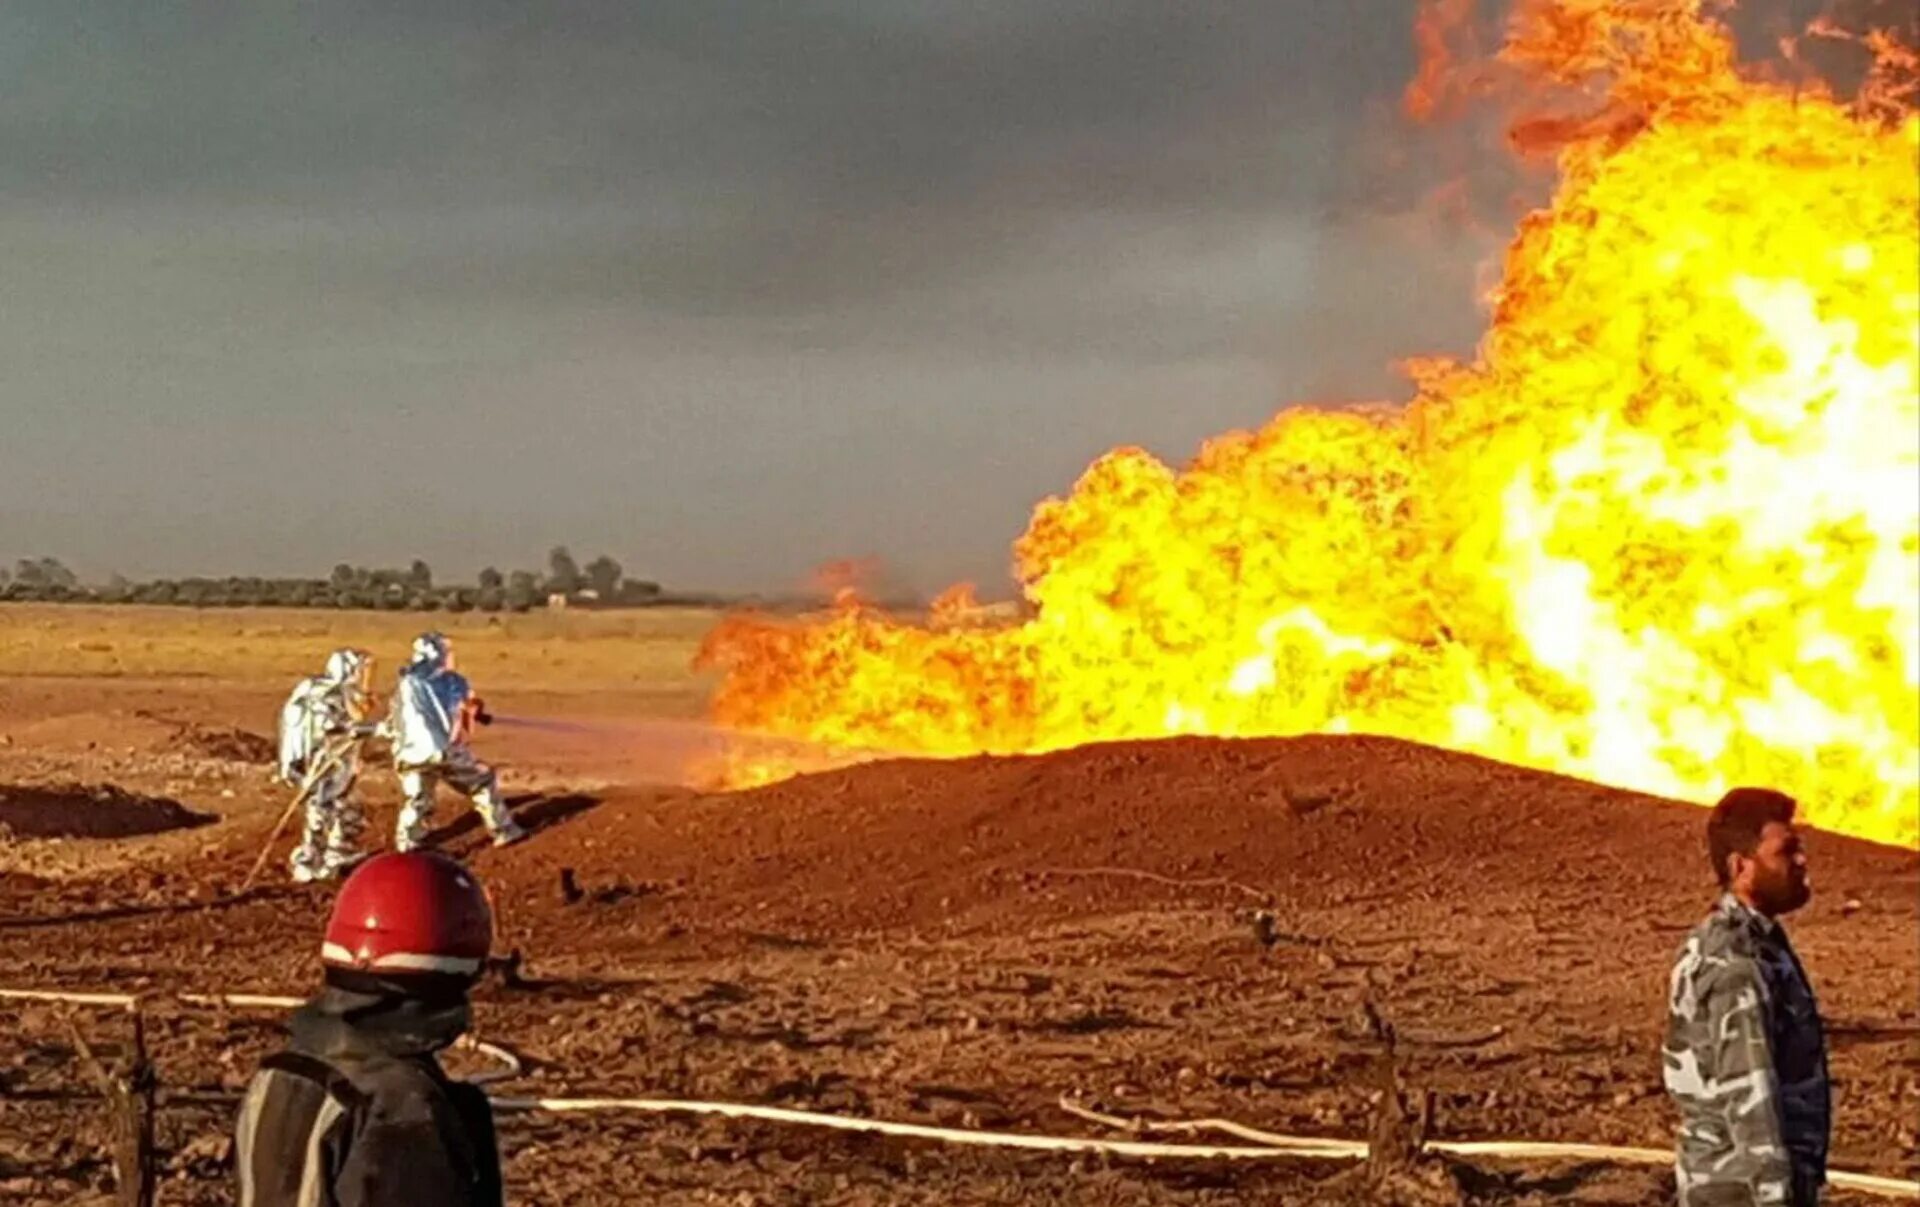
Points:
x=434 y=711
x=356 y=1110
x=322 y=726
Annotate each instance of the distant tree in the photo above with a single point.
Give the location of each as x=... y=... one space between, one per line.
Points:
x=420 y=576
x=6 y=576
x=459 y=599
x=522 y=591
x=161 y=592
x=58 y=574
x=28 y=572
x=490 y=599
x=386 y=589
x=343 y=576
x=639 y=591
x=491 y=579
x=347 y=599
x=603 y=575
x=563 y=575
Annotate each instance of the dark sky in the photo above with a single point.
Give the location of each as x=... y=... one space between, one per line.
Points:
x=725 y=289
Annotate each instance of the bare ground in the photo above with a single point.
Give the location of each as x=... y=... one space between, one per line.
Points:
x=1178 y=929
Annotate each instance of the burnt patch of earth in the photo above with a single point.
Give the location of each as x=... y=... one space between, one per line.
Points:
x=92 y=812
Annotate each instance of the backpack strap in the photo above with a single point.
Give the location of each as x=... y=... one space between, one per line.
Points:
x=337 y=1084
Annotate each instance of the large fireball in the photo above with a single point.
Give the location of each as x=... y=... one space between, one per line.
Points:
x=1663 y=532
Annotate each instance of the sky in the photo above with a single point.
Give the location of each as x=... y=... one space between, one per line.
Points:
x=724 y=289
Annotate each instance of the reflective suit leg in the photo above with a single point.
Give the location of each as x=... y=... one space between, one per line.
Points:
x=475 y=780
x=309 y=854
x=416 y=815
x=344 y=828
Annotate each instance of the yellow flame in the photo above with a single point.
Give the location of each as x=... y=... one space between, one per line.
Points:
x=1662 y=532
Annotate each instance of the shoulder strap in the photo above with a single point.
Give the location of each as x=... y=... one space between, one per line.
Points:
x=464 y=1114
x=337 y=1084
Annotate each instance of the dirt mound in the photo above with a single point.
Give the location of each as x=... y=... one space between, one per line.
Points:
x=73 y=811
x=217 y=741
x=1281 y=824
x=1185 y=929
x=231 y=745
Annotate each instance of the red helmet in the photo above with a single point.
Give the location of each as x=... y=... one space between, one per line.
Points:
x=416 y=911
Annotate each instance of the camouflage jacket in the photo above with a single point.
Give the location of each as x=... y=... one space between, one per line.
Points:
x=1746 y=1061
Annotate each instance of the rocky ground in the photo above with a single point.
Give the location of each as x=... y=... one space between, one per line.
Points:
x=1173 y=930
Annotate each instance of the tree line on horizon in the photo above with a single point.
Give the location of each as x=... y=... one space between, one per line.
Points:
x=602 y=582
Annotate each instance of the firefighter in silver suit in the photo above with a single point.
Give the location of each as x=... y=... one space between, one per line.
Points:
x=322 y=726
x=434 y=711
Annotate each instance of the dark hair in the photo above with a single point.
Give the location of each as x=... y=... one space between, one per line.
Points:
x=1736 y=823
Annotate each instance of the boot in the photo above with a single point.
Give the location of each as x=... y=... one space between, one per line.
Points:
x=307 y=867
x=507 y=833
x=499 y=819
x=412 y=831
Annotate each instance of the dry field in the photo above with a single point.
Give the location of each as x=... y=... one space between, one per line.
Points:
x=570 y=652
x=170 y=703
x=952 y=943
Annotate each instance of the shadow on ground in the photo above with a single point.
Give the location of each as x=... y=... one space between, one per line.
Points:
x=79 y=811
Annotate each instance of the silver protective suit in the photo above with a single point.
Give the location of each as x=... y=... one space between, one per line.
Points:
x=322 y=725
x=429 y=724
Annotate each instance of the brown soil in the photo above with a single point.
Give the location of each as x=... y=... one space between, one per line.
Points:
x=222 y=742
x=1181 y=929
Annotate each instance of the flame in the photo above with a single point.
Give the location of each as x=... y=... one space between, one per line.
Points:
x=1662 y=532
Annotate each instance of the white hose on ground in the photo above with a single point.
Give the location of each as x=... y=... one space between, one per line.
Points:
x=1278 y=1147
x=1515 y=1150
x=1271 y=1146
x=1331 y=1149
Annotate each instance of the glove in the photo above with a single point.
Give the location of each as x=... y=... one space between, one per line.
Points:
x=480 y=713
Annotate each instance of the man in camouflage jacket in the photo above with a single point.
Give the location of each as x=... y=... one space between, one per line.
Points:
x=1745 y=1057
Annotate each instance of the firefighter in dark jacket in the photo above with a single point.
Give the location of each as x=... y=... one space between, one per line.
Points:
x=356 y=1112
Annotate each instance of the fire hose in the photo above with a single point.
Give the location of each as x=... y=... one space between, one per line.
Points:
x=320 y=770
x=1264 y=1146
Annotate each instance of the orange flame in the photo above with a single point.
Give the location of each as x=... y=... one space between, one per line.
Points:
x=1662 y=532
